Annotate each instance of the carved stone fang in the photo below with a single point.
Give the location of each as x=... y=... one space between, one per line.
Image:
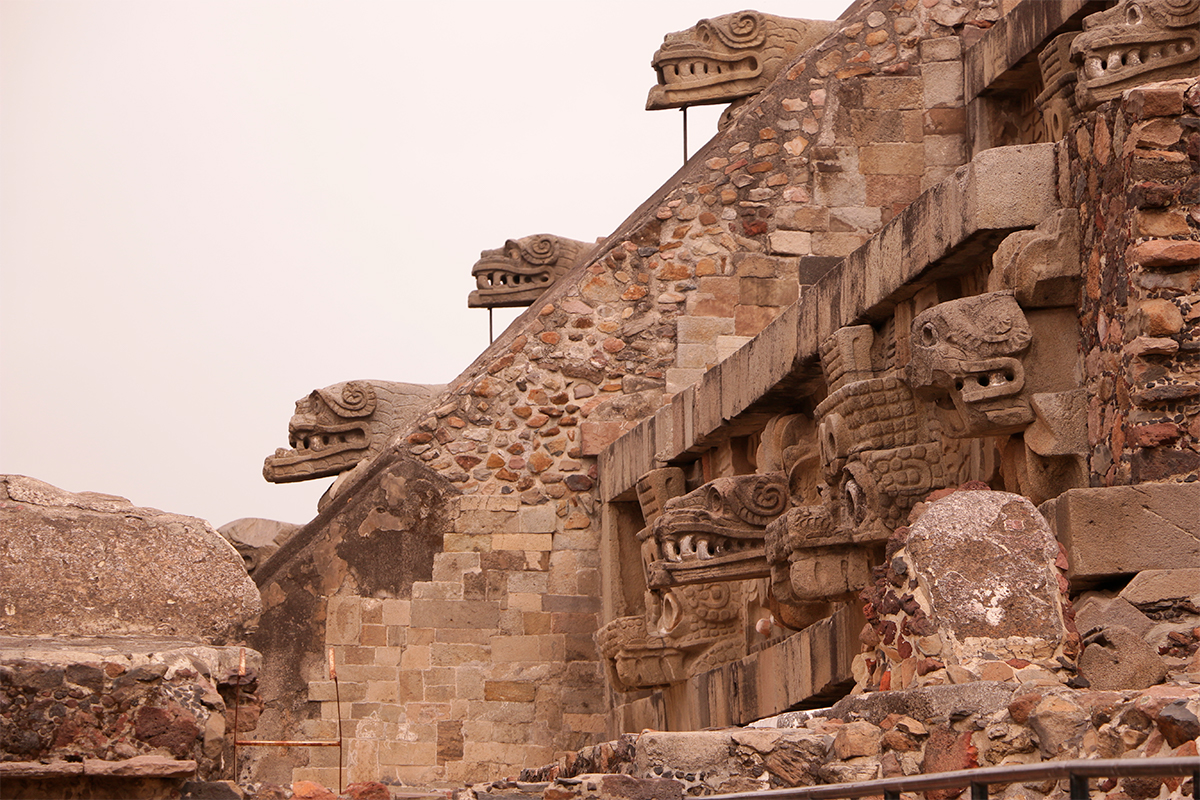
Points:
x=1106 y=65
x=678 y=74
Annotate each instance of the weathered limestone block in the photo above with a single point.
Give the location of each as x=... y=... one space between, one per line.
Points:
x=1041 y=265
x=523 y=269
x=1156 y=590
x=1120 y=530
x=729 y=57
x=1094 y=610
x=985 y=561
x=1132 y=43
x=971 y=591
x=341 y=425
x=257 y=539
x=89 y=564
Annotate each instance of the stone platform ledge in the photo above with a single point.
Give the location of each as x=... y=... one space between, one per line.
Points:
x=810 y=668
x=136 y=767
x=865 y=737
x=130 y=653
x=944 y=231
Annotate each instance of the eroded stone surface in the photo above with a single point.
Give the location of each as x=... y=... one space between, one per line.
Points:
x=986 y=560
x=123 y=707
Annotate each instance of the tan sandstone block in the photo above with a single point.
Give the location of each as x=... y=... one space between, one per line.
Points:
x=396 y=612
x=516 y=648
x=796 y=243
x=1121 y=530
x=892 y=93
x=467 y=542
x=943 y=83
x=892 y=158
x=696 y=330
x=537 y=519
x=522 y=541
x=406 y=753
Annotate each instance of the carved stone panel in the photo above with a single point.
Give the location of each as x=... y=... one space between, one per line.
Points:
x=687 y=630
x=966 y=358
x=1041 y=265
x=1057 y=99
x=715 y=533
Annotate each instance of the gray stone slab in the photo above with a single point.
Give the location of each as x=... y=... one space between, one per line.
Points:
x=1121 y=530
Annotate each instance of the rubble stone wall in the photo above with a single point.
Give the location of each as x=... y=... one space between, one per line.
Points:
x=1135 y=169
x=66 y=701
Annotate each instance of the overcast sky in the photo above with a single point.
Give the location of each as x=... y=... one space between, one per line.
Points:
x=210 y=208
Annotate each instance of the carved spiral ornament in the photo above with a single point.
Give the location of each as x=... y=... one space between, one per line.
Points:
x=743 y=27
x=1180 y=12
x=357 y=399
x=540 y=250
x=761 y=500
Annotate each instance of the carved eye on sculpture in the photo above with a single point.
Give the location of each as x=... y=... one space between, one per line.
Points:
x=1133 y=14
x=929 y=335
x=714 y=501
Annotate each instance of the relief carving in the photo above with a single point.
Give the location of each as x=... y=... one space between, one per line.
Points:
x=1056 y=101
x=715 y=533
x=519 y=272
x=1135 y=42
x=729 y=58
x=966 y=360
x=686 y=629
x=989 y=369
x=335 y=428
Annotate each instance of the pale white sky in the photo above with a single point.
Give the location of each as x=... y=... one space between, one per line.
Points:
x=209 y=208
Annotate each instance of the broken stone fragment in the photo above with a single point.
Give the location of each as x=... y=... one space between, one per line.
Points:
x=1095 y=610
x=1161 y=589
x=986 y=562
x=1117 y=658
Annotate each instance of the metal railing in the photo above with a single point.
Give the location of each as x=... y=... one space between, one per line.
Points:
x=237 y=742
x=1076 y=772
